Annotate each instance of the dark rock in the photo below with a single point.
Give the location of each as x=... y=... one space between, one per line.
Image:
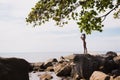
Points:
x=115 y=73
x=111 y=62
x=110 y=55
x=85 y=65
x=14 y=69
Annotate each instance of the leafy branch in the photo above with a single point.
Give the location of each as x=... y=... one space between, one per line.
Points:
x=61 y=11
x=104 y=16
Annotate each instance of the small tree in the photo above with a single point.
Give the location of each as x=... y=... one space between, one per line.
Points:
x=86 y=13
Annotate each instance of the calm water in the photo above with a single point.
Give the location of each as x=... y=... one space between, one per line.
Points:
x=36 y=57
x=42 y=56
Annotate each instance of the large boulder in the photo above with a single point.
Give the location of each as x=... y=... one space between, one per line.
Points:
x=116 y=71
x=111 y=62
x=14 y=69
x=85 y=65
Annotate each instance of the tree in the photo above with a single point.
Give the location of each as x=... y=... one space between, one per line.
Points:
x=89 y=18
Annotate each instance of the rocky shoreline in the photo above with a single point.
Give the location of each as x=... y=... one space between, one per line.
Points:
x=72 y=67
x=80 y=66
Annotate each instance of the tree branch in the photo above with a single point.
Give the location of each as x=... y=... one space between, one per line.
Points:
x=104 y=16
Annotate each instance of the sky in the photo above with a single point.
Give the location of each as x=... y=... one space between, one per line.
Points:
x=17 y=36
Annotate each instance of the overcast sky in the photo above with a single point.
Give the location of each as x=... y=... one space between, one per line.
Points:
x=16 y=36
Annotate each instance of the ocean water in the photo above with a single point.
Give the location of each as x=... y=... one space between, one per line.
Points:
x=43 y=56
x=36 y=56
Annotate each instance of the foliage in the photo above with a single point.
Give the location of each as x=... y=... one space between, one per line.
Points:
x=86 y=13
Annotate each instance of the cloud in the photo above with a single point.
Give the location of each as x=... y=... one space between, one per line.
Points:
x=16 y=36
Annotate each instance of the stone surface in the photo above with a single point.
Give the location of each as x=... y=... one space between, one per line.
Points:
x=62 y=69
x=97 y=75
x=46 y=76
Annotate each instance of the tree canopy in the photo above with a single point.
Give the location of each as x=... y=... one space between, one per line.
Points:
x=88 y=14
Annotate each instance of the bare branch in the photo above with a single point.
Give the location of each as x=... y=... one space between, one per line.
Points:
x=104 y=16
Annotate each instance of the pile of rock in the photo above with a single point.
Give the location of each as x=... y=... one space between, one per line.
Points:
x=83 y=66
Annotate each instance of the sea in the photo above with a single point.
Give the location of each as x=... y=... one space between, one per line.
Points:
x=36 y=56
x=43 y=56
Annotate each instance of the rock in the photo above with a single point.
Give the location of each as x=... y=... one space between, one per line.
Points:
x=46 y=76
x=111 y=62
x=69 y=57
x=85 y=65
x=115 y=73
x=117 y=59
x=62 y=69
x=38 y=66
x=50 y=62
x=117 y=78
x=97 y=75
x=14 y=69
x=111 y=54
x=66 y=78
x=50 y=69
